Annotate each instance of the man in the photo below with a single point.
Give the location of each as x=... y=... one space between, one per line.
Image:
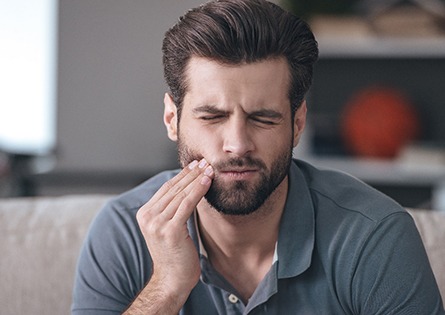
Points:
x=243 y=228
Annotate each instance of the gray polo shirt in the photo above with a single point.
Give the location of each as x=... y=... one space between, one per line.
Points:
x=343 y=248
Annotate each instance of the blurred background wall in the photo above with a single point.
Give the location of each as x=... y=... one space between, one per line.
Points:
x=110 y=133
x=111 y=86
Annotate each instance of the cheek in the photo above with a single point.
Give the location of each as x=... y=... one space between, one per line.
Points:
x=276 y=145
x=198 y=137
x=199 y=143
x=277 y=139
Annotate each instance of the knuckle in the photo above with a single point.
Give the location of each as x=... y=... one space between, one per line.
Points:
x=154 y=230
x=172 y=188
x=169 y=184
x=188 y=203
x=181 y=195
x=143 y=215
x=185 y=201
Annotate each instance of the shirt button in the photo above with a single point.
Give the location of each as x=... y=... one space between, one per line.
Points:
x=233 y=299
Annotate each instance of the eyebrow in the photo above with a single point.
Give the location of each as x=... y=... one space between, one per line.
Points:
x=210 y=109
x=267 y=113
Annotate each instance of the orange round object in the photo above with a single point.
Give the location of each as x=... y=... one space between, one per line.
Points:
x=378 y=122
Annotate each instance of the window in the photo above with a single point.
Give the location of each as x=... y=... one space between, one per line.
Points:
x=28 y=46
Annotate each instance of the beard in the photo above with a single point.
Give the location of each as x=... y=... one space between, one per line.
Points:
x=240 y=197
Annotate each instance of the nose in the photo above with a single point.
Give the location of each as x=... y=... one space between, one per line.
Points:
x=237 y=138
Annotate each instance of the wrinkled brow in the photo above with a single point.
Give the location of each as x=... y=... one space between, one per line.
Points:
x=210 y=109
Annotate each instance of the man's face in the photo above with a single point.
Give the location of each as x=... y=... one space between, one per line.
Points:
x=238 y=118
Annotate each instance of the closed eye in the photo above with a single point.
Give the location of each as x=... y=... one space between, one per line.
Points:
x=267 y=117
x=209 y=113
x=264 y=121
x=212 y=117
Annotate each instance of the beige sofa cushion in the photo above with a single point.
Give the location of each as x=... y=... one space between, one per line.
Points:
x=39 y=244
x=431 y=225
x=41 y=239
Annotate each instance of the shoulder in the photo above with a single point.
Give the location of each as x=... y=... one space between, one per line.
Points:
x=363 y=240
x=350 y=216
x=336 y=191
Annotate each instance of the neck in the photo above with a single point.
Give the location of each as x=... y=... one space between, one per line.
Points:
x=226 y=236
x=233 y=232
x=241 y=248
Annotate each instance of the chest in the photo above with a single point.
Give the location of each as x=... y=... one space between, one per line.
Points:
x=284 y=298
x=245 y=279
x=308 y=293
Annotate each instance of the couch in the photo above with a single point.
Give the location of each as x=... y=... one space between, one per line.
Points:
x=42 y=236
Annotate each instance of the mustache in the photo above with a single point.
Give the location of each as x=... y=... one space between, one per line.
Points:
x=246 y=162
x=186 y=156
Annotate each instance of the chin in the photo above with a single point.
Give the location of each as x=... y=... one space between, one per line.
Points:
x=239 y=199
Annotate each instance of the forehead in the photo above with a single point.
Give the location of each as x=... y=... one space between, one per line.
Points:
x=259 y=83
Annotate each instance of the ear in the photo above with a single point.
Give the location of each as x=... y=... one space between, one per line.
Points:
x=299 y=122
x=170 y=117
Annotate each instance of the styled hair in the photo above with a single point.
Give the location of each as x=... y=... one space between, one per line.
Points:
x=236 y=32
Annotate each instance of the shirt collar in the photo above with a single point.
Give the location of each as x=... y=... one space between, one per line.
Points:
x=201 y=249
x=296 y=237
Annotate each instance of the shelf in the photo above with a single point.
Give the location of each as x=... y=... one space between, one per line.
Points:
x=387 y=172
x=381 y=47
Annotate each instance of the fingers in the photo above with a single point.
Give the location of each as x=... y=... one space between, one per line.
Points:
x=175 y=185
x=163 y=223
x=188 y=199
x=180 y=195
x=185 y=201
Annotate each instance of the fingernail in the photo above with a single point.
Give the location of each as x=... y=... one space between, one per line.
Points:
x=208 y=171
x=193 y=164
x=205 y=180
x=202 y=164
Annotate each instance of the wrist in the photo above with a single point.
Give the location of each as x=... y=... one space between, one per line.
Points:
x=170 y=290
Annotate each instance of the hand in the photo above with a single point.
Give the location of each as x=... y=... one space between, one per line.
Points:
x=163 y=222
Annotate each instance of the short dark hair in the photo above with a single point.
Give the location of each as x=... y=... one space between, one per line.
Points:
x=235 y=32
